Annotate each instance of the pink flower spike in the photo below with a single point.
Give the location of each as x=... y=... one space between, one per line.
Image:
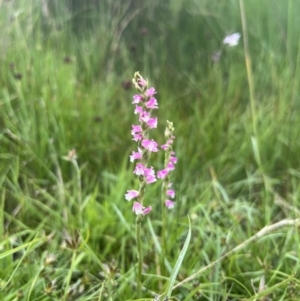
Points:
x=147 y=210
x=137 y=98
x=152 y=123
x=170 y=166
x=171 y=193
x=137 y=137
x=150 y=179
x=173 y=159
x=149 y=175
x=143 y=82
x=136 y=129
x=150 y=145
x=136 y=155
x=161 y=174
x=150 y=92
x=144 y=116
x=149 y=171
x=131 y=194
x=152 y=103
x=164 y=146
x=139 y=169
x=169 y=204
x=138 y=110
x=137 y=208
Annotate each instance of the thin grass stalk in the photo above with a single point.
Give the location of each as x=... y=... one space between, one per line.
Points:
x=289 y=46
x=69 y=276
x=262 y=233
x=254 y=138
x=249 y=69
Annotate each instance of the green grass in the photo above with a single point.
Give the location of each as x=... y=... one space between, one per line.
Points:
x=61 y=88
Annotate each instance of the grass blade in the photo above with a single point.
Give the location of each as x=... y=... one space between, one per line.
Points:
x=179 y=262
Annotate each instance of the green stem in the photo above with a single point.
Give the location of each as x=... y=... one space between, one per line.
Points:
x=139 y=255
x=163 y=218
x=163 y=230
x=78 y=181
x=169 y=140
x=2 y=226
x=78 y=190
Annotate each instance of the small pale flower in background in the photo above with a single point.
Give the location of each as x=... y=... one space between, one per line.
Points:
x=232 y=40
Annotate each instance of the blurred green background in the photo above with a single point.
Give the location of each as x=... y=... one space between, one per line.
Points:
x=66 y=68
